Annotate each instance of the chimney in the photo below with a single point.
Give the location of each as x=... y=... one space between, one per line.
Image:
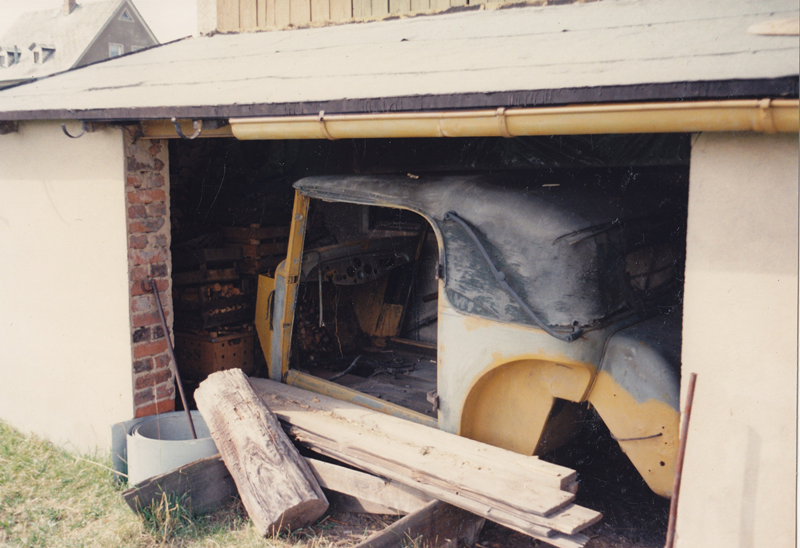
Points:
x=69 y=5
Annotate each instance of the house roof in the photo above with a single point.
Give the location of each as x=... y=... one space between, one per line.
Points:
x=613 y=50
x=69 y=35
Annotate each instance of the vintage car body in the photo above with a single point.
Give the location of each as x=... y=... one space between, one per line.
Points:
x=551 y=295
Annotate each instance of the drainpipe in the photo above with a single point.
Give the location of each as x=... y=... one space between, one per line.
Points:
x=758 y=115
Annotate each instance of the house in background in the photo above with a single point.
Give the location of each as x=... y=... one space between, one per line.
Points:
x=45 y=42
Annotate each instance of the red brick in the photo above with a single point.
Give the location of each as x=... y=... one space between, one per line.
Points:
x=152 y=224
x=141 y=320
x=166 y=390
x=163 y=406
x=159 y=270
x=138 y=241
x=158 y=209
x=140 y=256
x=142 y=303
x=162 y=361
x=160 y=240
x=158 y=165
x=155 y=149
x=141 y=366
x=156 y=181
x=137 y=211
x=136 y=289
x=149 y=349
x=158 y=332
x=137 y=274
x=134 y=181
x=152 y=379
x=141 y=335
x=143 y=396
x=147 y=196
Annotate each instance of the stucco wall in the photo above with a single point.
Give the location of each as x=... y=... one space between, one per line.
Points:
x=65 y=343
x=740 y=337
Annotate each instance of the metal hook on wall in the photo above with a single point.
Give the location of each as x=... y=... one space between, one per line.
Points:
x=67 y=133
x=196 y=124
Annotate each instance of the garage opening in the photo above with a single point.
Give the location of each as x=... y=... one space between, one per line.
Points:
x=367 y=314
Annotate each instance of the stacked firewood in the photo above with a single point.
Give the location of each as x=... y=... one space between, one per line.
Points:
x=313 y=342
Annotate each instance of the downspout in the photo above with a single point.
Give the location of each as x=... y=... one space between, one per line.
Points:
x=757 y=115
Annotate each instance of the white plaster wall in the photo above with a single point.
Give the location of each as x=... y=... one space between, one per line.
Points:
x=740 y=337
x=65 y=351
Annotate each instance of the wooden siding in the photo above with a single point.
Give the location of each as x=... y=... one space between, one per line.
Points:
x=249 y=15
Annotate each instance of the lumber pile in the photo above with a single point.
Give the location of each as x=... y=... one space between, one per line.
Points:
x=369 y=462
x=519 y=492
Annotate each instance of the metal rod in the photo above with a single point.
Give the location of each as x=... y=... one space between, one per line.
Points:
x=173 y=362
x=676 y=486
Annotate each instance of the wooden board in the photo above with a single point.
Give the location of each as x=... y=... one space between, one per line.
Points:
x=188 y=259
x=520 y=492
x=205 y=276
x=436 y=524
x=255 y=233
x=260 y=250
x=276 y=485
x=370 y=491
x=205 y=485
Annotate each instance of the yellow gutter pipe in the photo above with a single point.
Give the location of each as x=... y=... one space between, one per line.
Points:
x=759 y=115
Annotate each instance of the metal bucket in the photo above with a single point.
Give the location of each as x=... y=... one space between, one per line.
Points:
x=164 y=442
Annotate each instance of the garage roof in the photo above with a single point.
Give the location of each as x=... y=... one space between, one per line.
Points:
x=606 y=51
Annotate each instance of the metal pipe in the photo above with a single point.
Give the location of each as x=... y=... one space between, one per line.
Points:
x=759 y=115
x=151 y=286
x=676 y=487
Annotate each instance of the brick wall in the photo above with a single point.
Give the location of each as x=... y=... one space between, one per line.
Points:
x=147 y=202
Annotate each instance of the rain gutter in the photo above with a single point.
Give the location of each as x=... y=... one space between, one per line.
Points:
x=757 y=115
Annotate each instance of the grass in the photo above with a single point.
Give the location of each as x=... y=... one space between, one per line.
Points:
x=51 y=498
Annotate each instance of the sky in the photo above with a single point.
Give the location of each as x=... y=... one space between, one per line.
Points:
x=168 y=19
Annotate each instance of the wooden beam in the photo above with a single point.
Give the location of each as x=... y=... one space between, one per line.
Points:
x=436 y=524
x=276 y=485
x=520 y=492
x=370 y=493
x=205 y=485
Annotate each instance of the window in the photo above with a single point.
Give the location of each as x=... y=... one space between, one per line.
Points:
x=126 y=16
x=2 y=60
x=37 y=57
x=137 y=48
x=115 y=50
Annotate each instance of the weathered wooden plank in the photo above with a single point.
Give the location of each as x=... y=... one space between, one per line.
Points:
x=320 y=10
x=341 y=10
x=439 y=5
x=362 y=9
x=205 y=276
x=270 y=16
x=276 y=485
x=380 y=8
x=393 y=497
x=458 y=2
x=260 y=250
x=185 y=259
x=503 y=486
x=300 y=12
x=399 y=6
x=205 y=485
x=436 y=524
x=248 y=14
x=227 y=15
x=283 y=13
x=261 y=14
x=255 y=233
x=420 y=5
